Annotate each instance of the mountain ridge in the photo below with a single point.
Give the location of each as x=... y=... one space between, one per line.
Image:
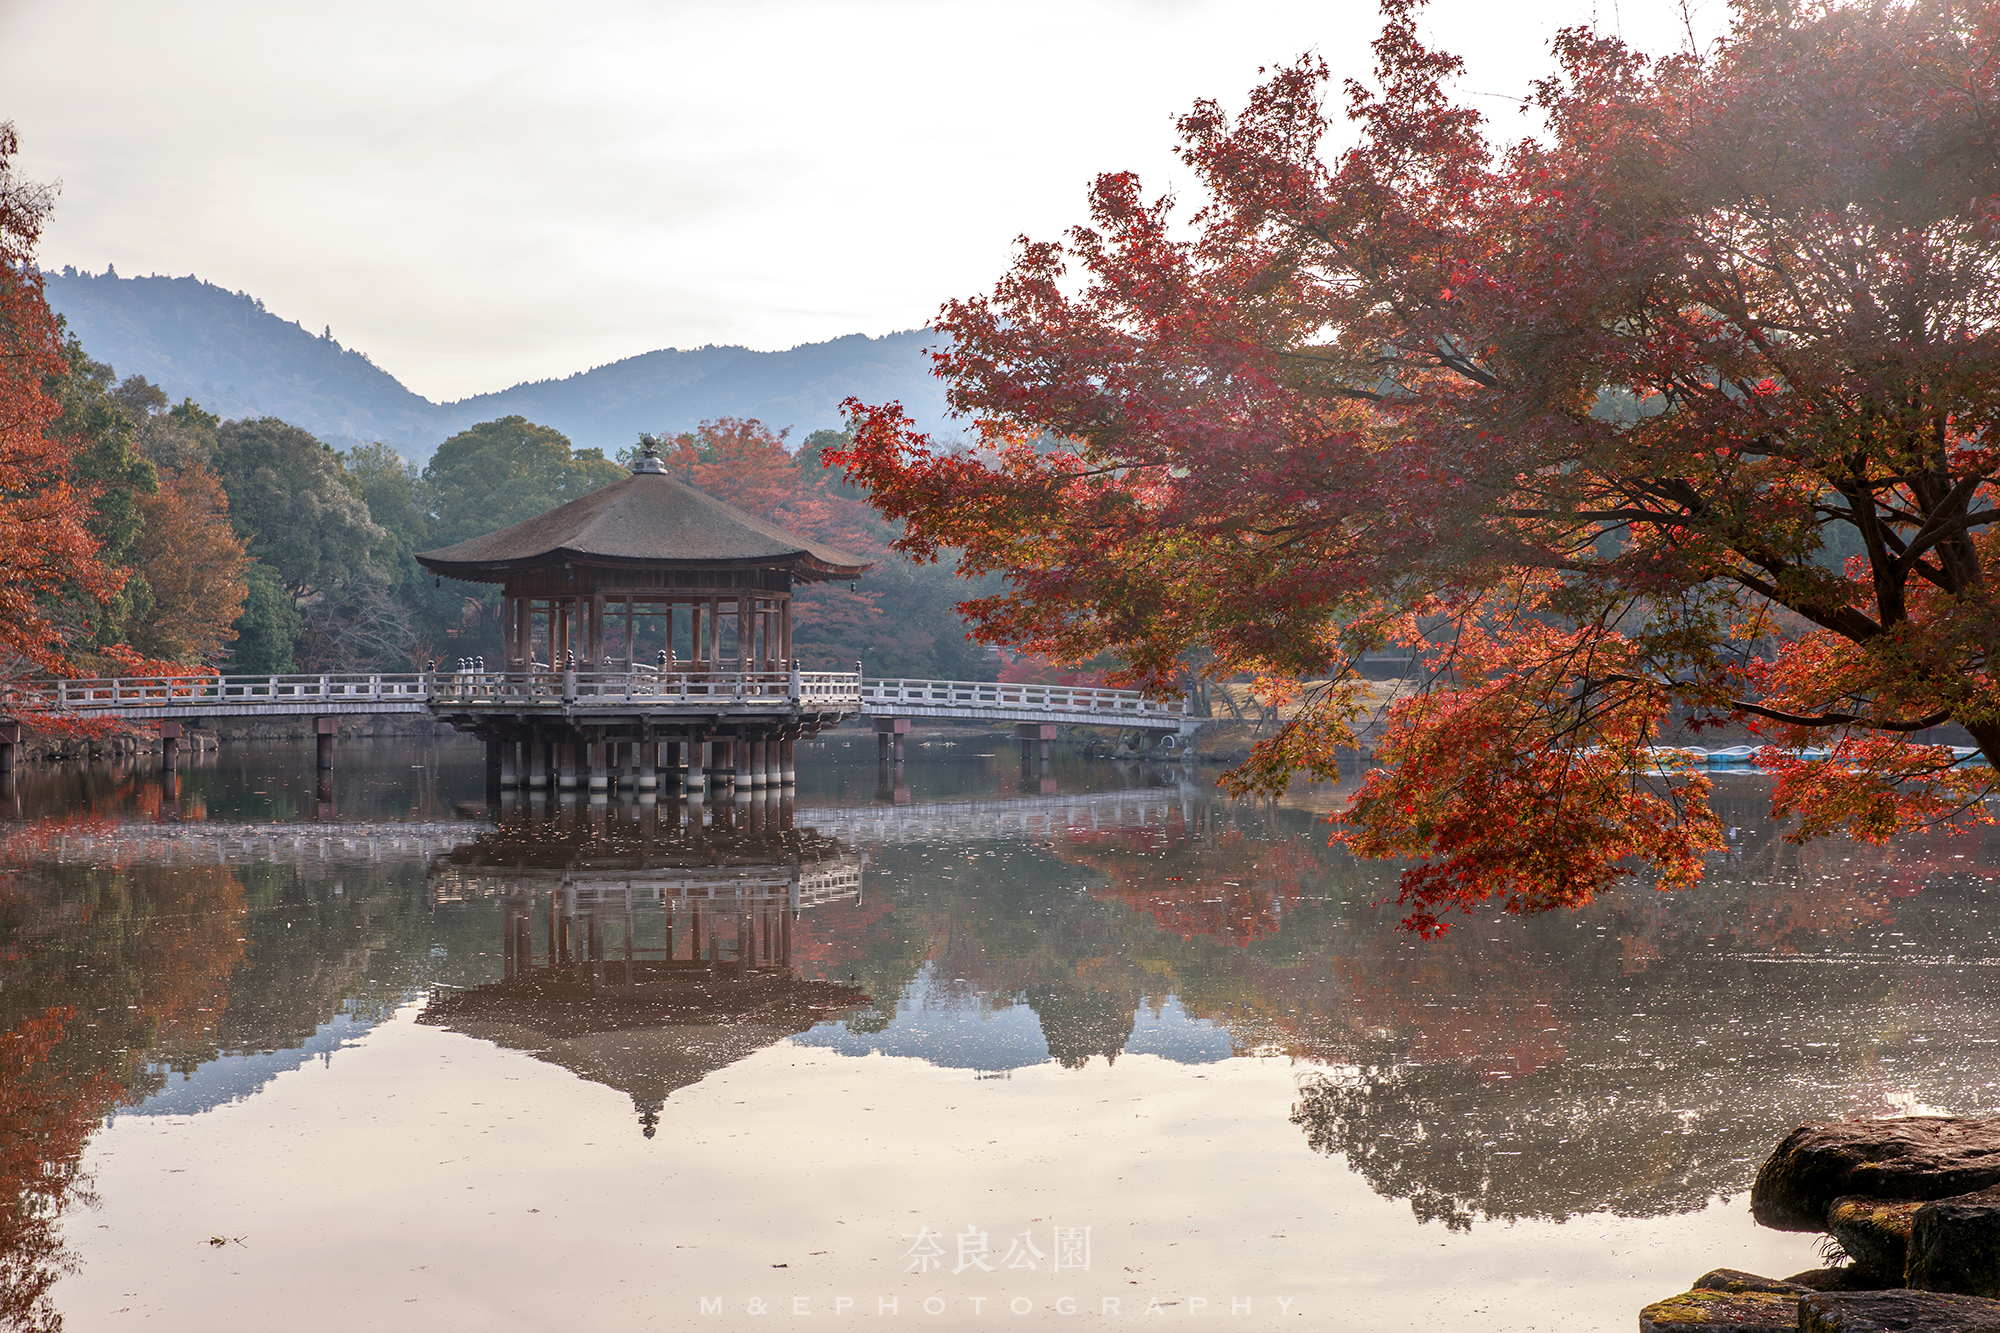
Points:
x=235 y=357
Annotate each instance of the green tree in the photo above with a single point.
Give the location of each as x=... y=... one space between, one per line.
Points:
x=501 y=472
x=267 y=633
x=107 y=459
x=295 y=511
x=482 y=479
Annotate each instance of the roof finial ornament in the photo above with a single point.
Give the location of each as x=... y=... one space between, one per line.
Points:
x=648 y=459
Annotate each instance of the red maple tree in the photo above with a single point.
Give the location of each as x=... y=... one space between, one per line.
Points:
x=1685 y=406
x=45 y=538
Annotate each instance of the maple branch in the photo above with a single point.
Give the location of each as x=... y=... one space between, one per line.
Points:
x=1799 y=719
x=1839 y=719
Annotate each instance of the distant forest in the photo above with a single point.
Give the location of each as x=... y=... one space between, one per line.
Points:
x=237 y=359
x=253 y=546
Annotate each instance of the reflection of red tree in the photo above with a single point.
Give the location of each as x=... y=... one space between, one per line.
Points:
x=191 y=944
x=1499 y=1015
x=47 y=1114
x=1903 y=867
x=832 y=941
x=1229 y=888
x=161 y=945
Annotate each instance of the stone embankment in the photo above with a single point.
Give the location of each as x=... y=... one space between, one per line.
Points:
x=143 y=738
x=1914 y=1203
x=124 y=742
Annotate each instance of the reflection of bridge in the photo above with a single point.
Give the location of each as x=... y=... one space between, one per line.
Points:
x=236 y=844
x=967 y=821
x=313 y=841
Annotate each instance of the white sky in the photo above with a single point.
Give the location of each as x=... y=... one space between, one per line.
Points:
x=478 y=194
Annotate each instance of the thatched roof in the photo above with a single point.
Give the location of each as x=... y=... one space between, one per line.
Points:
x=650 y=520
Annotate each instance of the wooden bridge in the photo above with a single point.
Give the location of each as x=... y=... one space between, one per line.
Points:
x=677 y=702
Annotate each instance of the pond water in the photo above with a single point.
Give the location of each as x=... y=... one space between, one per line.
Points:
x=955 y=1051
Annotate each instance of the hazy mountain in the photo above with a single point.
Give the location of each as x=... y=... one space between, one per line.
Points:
x=673 y=390
x=227 y=352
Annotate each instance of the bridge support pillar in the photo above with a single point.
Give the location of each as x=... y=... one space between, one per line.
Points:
x=10 y=738
x=324 y=729
x=510 y=772
x=787 y=773
x=760 y=762
x=889 y=733
x=594 y=755
x=649 y=757
x=566 y=757
x=1036 y=740
x=170 y=746
x=538 y=761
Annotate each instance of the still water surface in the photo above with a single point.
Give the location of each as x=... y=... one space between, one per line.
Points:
x=1104 y=1051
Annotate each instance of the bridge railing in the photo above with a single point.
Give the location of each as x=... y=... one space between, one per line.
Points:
x=140 y=692
x=1072 y=700
x=615 y=688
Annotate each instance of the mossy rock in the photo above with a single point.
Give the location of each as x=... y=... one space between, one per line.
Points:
x=1955 y=1245
x=1735 y=1279
x=1709 y=1311
x=1896 y=1312
x=1905 y=1157
x=1845 y=1278
x=1874 y=1232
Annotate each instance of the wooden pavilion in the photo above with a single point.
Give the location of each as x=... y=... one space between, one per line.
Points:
x=645 y=613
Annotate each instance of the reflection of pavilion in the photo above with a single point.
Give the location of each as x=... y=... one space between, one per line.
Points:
x=645 y=954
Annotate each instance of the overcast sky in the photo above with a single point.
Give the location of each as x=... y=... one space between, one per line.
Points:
x=478 y=194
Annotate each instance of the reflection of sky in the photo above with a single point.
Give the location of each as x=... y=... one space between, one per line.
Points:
x=232 y=1078
x=1173 y=1035
x=958 y=1031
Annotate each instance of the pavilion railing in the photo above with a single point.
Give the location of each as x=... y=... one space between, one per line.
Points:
x=542 y=686
x=1071 y=700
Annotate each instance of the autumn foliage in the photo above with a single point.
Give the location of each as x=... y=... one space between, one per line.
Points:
x=111 y=560
x=45 y=536
x=1681 y=412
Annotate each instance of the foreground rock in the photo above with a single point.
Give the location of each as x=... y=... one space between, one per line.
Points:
x=1847 y=1278
x=1875 y=1233
x=1894 y=1312
x=1705 y=1310
x=1735 y=1279
x=1955 y=1245
x=1916 y=1157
